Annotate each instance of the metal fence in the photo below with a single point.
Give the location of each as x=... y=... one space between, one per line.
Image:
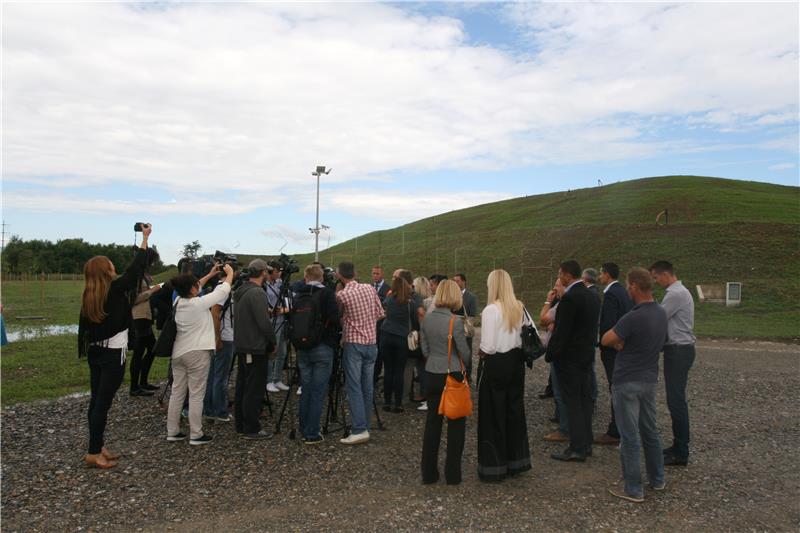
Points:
x=52 y=276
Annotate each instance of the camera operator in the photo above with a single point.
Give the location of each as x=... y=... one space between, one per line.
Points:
x=315 y=332
x=215 y=404
x=278 y=312
x=254 y=341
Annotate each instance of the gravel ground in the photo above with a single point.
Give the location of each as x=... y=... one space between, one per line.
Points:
x=743 y=474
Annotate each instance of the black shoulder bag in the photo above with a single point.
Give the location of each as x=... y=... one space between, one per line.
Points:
x=166 y=340
x=532 y=347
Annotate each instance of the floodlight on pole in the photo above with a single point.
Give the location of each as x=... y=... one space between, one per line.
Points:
x=318 y=172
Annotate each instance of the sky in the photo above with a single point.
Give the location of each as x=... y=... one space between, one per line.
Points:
x=208 y=119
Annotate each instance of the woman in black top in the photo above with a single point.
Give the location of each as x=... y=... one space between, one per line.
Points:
x=401 y=308
x=103 y=339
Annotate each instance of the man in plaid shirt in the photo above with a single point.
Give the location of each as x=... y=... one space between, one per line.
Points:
x=359 y=309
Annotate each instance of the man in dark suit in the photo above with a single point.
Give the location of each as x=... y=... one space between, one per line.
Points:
x=589 y=278
x=382 y=288
x=380 y=285
x=571 y=348
x=616 y=303
x=468 y=309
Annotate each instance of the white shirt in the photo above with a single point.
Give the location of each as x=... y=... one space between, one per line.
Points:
x=609 y=286
x=194 y=322
x=495 y=338
x=573 y=284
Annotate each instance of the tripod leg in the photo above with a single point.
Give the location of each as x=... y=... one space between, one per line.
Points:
x=167 y=386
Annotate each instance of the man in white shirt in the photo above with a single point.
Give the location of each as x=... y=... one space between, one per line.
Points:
x=679 y=354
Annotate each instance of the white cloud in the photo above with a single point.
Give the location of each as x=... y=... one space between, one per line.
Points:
x=248 y=98
x=783 y=166
x=396 y=205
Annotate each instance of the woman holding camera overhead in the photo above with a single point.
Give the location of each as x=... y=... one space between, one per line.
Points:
x=191 y=353
x=502 y=431
x=143 y=338
x=103 y=339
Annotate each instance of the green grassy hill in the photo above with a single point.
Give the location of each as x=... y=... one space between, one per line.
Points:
x=719 y=230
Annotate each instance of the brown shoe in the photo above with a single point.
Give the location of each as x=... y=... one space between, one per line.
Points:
x=556 y=436
x=98 y=461
x=108 y=454
x=605 y=438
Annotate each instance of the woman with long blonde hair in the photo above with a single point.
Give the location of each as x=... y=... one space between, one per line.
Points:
x=103 y=339
x=502 y=431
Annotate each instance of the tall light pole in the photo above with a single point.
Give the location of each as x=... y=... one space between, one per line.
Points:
x=319 y=172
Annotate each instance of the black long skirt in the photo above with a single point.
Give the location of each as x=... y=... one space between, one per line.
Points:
x=502 y=431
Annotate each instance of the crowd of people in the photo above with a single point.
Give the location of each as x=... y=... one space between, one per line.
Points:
x=377 y=327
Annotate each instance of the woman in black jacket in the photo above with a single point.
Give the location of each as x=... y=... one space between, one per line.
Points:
x=103 y=339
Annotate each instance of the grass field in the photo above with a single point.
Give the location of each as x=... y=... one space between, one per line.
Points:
x=719 y=230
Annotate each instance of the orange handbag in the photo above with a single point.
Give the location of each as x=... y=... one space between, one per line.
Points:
x=456 y=401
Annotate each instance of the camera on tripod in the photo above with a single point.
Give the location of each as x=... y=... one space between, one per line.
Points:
x=201 y=266
x=285 y=264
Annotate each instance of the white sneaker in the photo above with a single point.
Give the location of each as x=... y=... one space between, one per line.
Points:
x=423 y=406
x=272 y=388
x=281 y=385
x=354 y=438
x=299 y=391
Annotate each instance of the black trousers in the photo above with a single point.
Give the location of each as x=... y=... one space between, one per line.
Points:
x=468 y=362
x=142 y=359
x=502 y=430
x=576 y=391
x=608 y=357
x=106 y=372
x=251 y=382
x=456 y=429
x=394 y=350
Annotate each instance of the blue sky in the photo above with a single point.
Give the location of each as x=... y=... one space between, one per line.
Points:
x=207 y=120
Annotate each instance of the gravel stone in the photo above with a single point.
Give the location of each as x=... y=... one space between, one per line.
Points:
x=742 y=475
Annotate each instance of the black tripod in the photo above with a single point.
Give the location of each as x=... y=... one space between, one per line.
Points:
x=294 y=380
x=336 y=399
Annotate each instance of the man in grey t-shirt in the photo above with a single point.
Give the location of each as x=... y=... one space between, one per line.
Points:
x=638 y=337
x=679 y=354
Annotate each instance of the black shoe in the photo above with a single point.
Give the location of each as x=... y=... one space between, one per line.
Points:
x=148 y=386
x=669 y=451
x=397 y=409
x=588 y=452
x=569 y=456
x=176 y=438
x=141 y=392
x=202 y=439
x=315 y=440
x=387 y=408
x=261 y=435
x=546 y=393
x=671 y=460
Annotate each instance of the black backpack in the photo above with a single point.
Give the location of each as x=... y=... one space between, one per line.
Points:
x=306 y=319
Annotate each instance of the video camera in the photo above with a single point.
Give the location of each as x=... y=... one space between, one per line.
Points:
x=201 y=266
x=285 y=264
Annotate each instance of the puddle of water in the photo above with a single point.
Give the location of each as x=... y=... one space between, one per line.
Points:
x=35 y=332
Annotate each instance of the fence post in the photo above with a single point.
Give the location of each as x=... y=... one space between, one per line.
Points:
x=41 y=290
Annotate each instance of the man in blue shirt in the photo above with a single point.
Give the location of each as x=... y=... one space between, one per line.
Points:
x=638 y=338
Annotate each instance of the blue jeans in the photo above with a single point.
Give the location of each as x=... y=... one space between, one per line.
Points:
x=275 y=366
x=359 y=366
x=563 y=421
x=678 y=359
x=635 y=410
x=315 y=372
x=215 y=402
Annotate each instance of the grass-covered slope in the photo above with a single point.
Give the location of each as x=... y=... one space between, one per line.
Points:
x=719 y=230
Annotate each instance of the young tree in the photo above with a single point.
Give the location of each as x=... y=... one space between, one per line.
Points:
x=192 y=249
